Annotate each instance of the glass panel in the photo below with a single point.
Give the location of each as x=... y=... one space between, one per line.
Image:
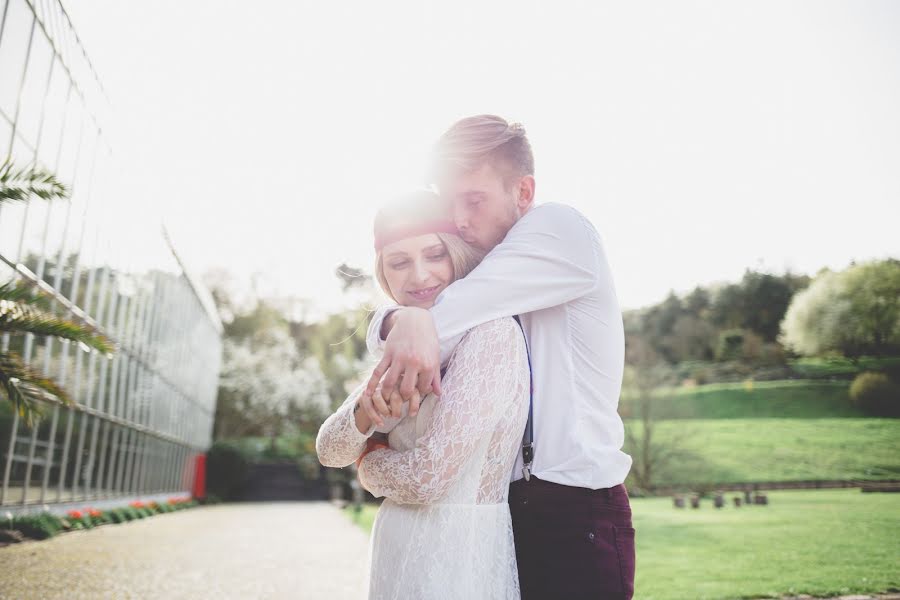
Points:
x=13 y=49
x=71 y=140
x=36 y=78
x=54 y=111
x=5 y=137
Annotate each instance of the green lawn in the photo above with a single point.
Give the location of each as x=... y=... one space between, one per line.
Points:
x=823 y=542
x=803 y=399
x=739 y=450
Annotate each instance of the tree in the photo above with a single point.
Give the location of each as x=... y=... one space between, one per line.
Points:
x=651 y=453
x=268 y=379
x=853 y=312
x=757 y=303
x=25 y=309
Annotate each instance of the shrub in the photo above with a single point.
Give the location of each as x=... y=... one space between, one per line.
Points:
x=876 y=394
x=226 y=470
x=38 y=527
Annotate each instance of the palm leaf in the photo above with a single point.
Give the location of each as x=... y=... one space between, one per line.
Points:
x=21 y=318
x=25 y=387
x=24 y=292
x=18 y=184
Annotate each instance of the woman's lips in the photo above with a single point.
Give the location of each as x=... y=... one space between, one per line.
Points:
x=425 y=293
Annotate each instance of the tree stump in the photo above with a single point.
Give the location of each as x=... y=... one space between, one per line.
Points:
x=718 y=501
x=737 y=501
x=695 y=501
x=678 y=501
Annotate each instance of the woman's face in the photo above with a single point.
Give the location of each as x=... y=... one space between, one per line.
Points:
x=417 y=269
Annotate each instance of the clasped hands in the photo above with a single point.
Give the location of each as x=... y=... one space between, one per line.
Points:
x=410 y=368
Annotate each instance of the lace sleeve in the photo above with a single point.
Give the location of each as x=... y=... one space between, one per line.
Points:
x=339 y=442
x=478 y=386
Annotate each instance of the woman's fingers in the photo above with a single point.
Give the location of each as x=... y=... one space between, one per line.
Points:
x=396 y=405
x=366 y=404
x=380 y=405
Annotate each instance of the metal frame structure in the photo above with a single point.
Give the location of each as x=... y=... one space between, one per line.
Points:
x=140 y=416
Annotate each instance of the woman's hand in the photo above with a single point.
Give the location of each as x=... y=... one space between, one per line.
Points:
x=373 y=409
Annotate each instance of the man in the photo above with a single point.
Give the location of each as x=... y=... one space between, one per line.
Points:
x=571 y=514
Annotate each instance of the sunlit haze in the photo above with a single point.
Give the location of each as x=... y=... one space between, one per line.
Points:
x=701 y=139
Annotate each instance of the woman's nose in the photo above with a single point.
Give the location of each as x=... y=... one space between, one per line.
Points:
x=420 y=271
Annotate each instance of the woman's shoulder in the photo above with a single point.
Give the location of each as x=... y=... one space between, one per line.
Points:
x=503 y=329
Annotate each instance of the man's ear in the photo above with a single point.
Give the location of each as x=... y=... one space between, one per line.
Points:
x=525 y=196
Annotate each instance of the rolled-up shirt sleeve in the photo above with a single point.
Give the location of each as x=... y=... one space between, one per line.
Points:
x=549 y=257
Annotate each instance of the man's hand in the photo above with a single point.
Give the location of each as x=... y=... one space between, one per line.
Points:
x=411 y=365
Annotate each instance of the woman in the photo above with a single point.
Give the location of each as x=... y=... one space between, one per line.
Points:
x=444 y=529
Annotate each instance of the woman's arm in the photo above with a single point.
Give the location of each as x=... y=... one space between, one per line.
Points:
x=342 y=437
x=480 y=383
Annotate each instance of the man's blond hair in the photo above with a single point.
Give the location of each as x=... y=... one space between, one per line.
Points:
x=474 y=141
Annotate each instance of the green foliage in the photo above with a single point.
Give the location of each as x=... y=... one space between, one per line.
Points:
x=26 y=310
x=855 y=312
x=876 y=394
x=837 y=367
x=226 y=469
x=19 y=184
x=734 y=322
x=758 y=303
x=38 y=527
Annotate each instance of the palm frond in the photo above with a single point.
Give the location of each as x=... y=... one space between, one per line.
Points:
x=22 y=291
x=25 y=387
x=21 y=318
x=17 y=184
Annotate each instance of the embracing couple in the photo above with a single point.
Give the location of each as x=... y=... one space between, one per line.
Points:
x=490 y=424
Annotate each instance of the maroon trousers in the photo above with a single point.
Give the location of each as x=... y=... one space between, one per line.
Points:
x=572 y=542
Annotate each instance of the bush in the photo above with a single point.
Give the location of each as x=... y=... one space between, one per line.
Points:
x=876 y=394
x=226 y=470
x=38 y=527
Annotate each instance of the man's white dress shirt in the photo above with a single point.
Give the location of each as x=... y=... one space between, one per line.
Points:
x=551 y=270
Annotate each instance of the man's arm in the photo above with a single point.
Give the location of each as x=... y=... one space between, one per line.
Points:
x=551 y=256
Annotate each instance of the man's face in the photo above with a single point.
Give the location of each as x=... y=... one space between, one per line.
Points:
x=484 y=207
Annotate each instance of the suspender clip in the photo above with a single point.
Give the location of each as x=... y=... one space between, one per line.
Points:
x=527 y=457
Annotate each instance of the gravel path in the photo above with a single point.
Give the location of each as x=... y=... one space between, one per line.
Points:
x=260 y=550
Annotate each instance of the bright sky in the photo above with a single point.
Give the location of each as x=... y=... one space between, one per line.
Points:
x=700 y=138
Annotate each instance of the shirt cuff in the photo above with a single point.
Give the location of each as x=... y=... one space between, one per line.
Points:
x=374 y=343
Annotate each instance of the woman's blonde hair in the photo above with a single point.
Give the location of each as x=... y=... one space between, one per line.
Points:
x=420 y=207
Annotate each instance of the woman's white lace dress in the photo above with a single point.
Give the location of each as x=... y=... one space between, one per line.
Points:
x=444 y=529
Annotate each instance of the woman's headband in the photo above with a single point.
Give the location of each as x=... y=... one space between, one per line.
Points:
x=389 y=235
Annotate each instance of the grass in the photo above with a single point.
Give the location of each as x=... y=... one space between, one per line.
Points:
x=803 y=399
x=365 y=518
x=822 y=542
x=746 y=450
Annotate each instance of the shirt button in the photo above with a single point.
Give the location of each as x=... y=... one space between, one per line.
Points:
x=590 y=536
x=524 y=501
